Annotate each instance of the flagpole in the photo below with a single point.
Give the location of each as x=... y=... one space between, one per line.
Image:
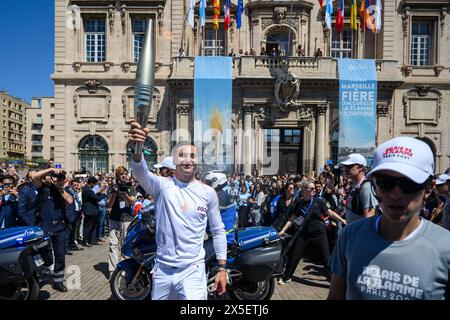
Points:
x=376 y=43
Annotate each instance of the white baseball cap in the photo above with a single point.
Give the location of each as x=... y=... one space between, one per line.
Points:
x=410 y=157
x=167 y=163
x=354 y=158
x=443 y=178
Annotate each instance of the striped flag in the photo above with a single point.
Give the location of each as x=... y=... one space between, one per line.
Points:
x=201 y=12
x=362 y=14
x=226 y=14
x=328 y=13
x=240 y=10
x=368 y=19
x=191 y=13
x=353 y=15
x=216 y=14
x=378 y=16
x=340 y=17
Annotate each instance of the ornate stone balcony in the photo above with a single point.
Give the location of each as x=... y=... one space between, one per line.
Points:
x=272 y=67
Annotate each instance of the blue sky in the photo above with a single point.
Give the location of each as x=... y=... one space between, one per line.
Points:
x=26 y=47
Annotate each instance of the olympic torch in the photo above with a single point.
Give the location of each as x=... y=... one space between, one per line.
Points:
x=144 y=82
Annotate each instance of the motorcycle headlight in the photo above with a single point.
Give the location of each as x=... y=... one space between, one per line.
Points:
x=136 y=253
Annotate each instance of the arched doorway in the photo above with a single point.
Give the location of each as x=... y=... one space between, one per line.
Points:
x=93 y=154
x=279 y=39
x=149 y=149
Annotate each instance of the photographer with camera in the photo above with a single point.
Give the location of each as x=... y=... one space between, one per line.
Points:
x=52 y=201
x=26 y=215
x=9 y=202
x=75 y=213
x=120 y=215
x=90 y=208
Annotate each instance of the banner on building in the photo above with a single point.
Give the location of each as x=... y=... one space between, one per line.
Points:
x=213 y=135
x=357 y=108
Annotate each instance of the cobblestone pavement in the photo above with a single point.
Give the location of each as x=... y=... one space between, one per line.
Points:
x=309 y=281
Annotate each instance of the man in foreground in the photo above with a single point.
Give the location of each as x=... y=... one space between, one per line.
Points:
x=397 y=255
x=183 y=205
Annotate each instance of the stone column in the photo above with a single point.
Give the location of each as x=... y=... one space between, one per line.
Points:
x=248 y=136
x=382 y=123
x=320 y=137
x=183 y=110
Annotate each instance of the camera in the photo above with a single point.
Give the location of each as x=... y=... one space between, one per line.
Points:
x=124 y=186
x=59 y=176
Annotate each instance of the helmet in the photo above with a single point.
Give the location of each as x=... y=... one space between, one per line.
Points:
x=215 y=179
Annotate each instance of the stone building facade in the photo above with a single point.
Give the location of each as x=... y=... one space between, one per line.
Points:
x=13 y=131
x=97 y=43
x=41 y=128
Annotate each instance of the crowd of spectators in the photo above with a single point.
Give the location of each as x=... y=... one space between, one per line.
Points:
x=105 y=203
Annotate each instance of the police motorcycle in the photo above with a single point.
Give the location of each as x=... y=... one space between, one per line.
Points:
x=23 y=251
x=131 y=280
x=254 y=259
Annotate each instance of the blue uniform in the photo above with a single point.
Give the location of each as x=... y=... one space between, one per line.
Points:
x=228 y=211
x=273 y=207
x=53 y=221
x=28 y=201
x=8 y=211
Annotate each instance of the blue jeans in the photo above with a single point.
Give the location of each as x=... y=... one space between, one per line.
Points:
x=101 y=221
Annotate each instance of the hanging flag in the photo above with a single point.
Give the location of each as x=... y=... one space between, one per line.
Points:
x=240 y=10
x=378 y=16
x=191 y=13
x=362 y=14
x=226 y=14
x=216 y=14
x=321 y=4
x=328 y=13
x=353 y=15
x=340 y=17
x=368 y=18
x=201 y=12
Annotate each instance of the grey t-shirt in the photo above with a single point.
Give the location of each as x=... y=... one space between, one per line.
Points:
x=367 y=200
x=446 y=215
x=376 y=269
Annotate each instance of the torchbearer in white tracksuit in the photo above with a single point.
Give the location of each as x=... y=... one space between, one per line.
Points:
x=184 y=205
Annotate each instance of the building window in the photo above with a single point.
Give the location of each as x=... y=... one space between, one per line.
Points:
x=138 y=28
x=211 y=46
x=291 y=136
x=271 y=136
x=52 y=138
x=52 y=116
x=52 y=127
x=52 y=105
x=95 y=40
x=38 y=115
x=422 y=43
x=341 y=47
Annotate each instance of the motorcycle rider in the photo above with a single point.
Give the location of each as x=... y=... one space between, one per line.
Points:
x=184 y=206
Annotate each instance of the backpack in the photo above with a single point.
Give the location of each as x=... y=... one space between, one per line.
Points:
x=356 y=203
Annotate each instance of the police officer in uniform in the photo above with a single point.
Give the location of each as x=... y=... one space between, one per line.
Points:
x=26 y=215
x=9 y=202
x=52 y=202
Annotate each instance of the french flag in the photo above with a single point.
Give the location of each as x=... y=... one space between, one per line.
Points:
x=227 y=15
x=340 y=17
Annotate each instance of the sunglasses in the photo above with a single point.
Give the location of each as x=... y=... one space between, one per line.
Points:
x=388 y=183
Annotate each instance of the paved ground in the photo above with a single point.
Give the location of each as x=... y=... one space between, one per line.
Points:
x=91 y=264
